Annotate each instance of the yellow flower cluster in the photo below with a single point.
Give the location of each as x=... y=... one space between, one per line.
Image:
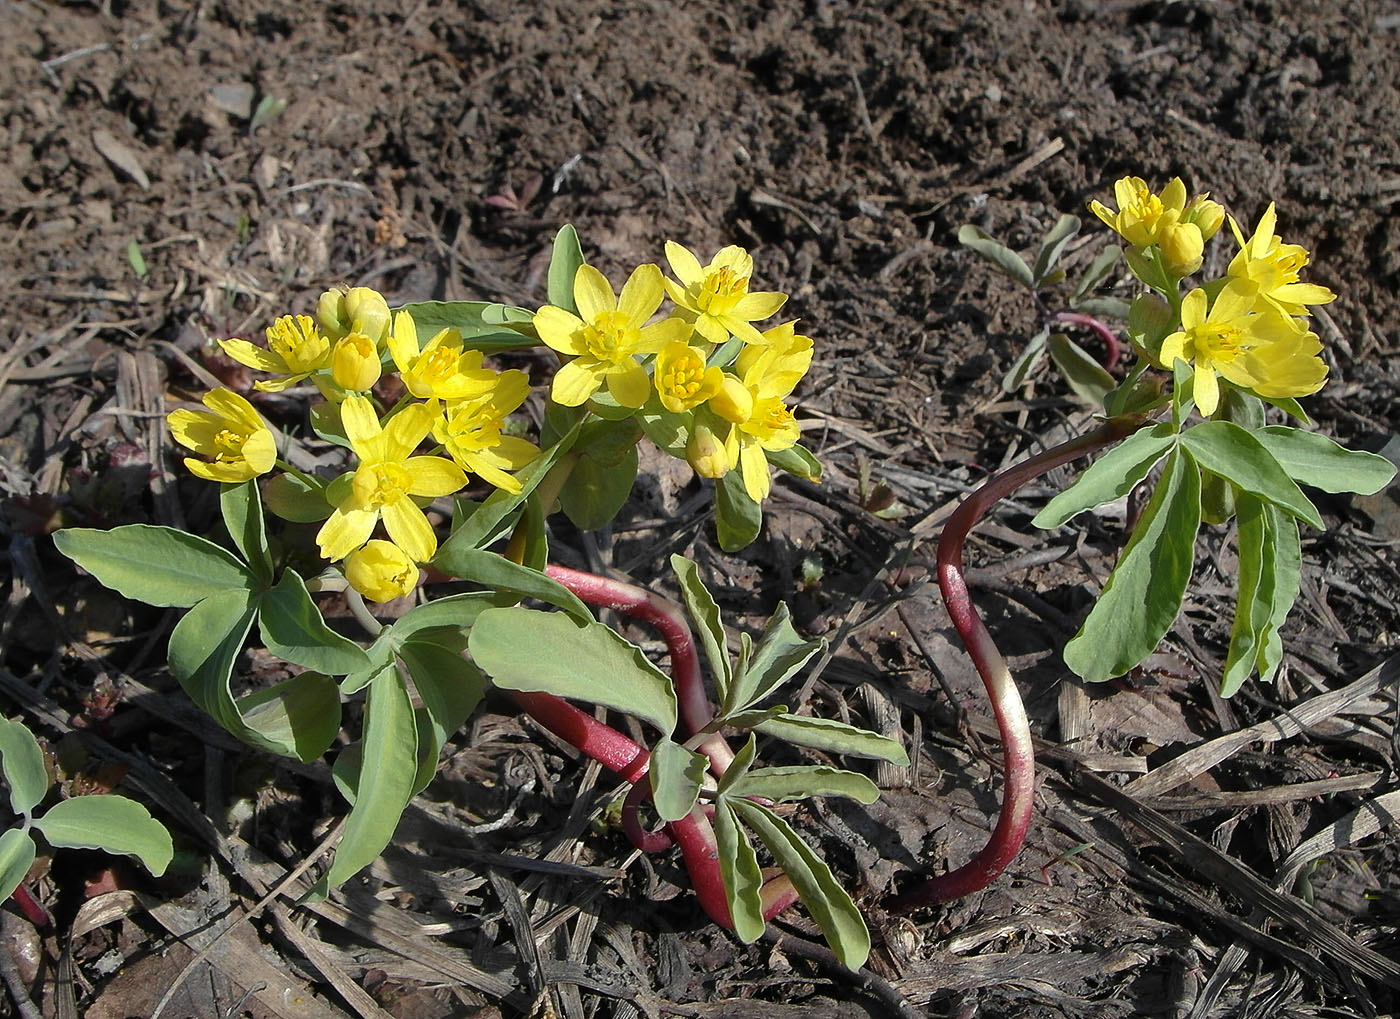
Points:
x=343 y=352
x=732 y=412
x=1249 y=327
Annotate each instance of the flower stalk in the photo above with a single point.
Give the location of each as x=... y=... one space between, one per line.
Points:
x=1017 y=754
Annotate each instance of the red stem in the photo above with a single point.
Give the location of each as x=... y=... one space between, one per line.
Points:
x=1018 y=798
x=1111 y=345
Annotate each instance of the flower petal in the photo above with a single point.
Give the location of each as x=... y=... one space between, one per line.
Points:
x=403 y=341
x=576 y=381
x=345 y=530
x=433 y=476
x=641 y=294
x=629 y=384
x=410 y=530
x=361 y=425
x=593 y=293
x=757 y=306
x=1263 y=238
x=1206 y=391
x=253 y=356
x=684 y=264
x=233 y=408
x=754 y=467
x=560 y=330
x=658 y=335
x=228 y=473
x=260 y=451
x=195 y=429
x=410 y=426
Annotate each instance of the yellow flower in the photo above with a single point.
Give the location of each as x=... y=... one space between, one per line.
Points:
x=769 y=373
x=442 y=370
x=381 y=571
x=471 y=432
x=355 y=363
x=1255 y=347
x=1142 y=215
x=294 y=350
x=388 y=476
x=716 y=298
x=607 y=336
x=233 y=434
x=682 y=380
x=1208 y=216
x=1273 y=266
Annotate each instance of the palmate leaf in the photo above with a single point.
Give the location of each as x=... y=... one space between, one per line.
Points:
x=777 y=657
x=550 y=652
x=1318 y=462
x=450 y=688
x=243 y=516
x=830 y=904
x=492 y=570
x=292 y=628
x=156 y=565
x=1143 y=594
x=1224 y=448
x=595 y=492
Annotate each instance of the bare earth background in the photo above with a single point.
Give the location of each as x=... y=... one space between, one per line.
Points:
x=844 y=144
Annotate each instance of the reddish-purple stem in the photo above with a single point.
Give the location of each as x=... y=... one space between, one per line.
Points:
x=669 y=620
x=1018 y=756
x=1111 y=345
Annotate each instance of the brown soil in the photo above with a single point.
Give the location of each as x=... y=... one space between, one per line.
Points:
x=844 y=143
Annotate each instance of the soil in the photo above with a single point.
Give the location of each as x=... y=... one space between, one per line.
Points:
x=432 y=150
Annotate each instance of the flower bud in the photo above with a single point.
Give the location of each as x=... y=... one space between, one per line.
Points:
x=381 y=571
x=355 y=363
x=367 y=312
x=330 y=313
x=1182 y=247
x=733 y=402
x=706 y=454
x=1207 y=215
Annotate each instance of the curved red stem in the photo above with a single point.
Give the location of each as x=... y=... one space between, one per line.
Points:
x=1018 y=757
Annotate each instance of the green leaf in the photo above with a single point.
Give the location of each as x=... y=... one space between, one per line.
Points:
x=388 y=771
x=301 y=714
x=563 y=267
x=1053 y=246
x=1006 y=260
x=608 y=443
x=738 y=519
x=484 y=525
x=326 y=423
x=837 y=737
x=156 y=565
x=269 y=108
x=830 y=904
x=1099 y=268
x=298 y=498
x=381 y=657
x=450 y=688
x=1318 y=462
x=751 y=719
x=492 y=570
x=243 y=516
x=780 y=653
x=739 y=767
x=203 y=648
x=797 y=461
x=549 y=652
x=1111 y=476
x=457 y=610
x=1101 y=307
x=1225 y=448
x=594 y=494
x=1255 y=602
x=1143 y=594
x=113 y=824
x=16 y=857
x=22 y=761
x=704 y=613
x=1085 y=376
x=1183 y=393
x=669 y=432
x=292 y=628
x=739 y=870
x=1286 y=565
x=676 y=777
x=803 y=781
x=484 y=326
x=1030 y=356
x=137 y=260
